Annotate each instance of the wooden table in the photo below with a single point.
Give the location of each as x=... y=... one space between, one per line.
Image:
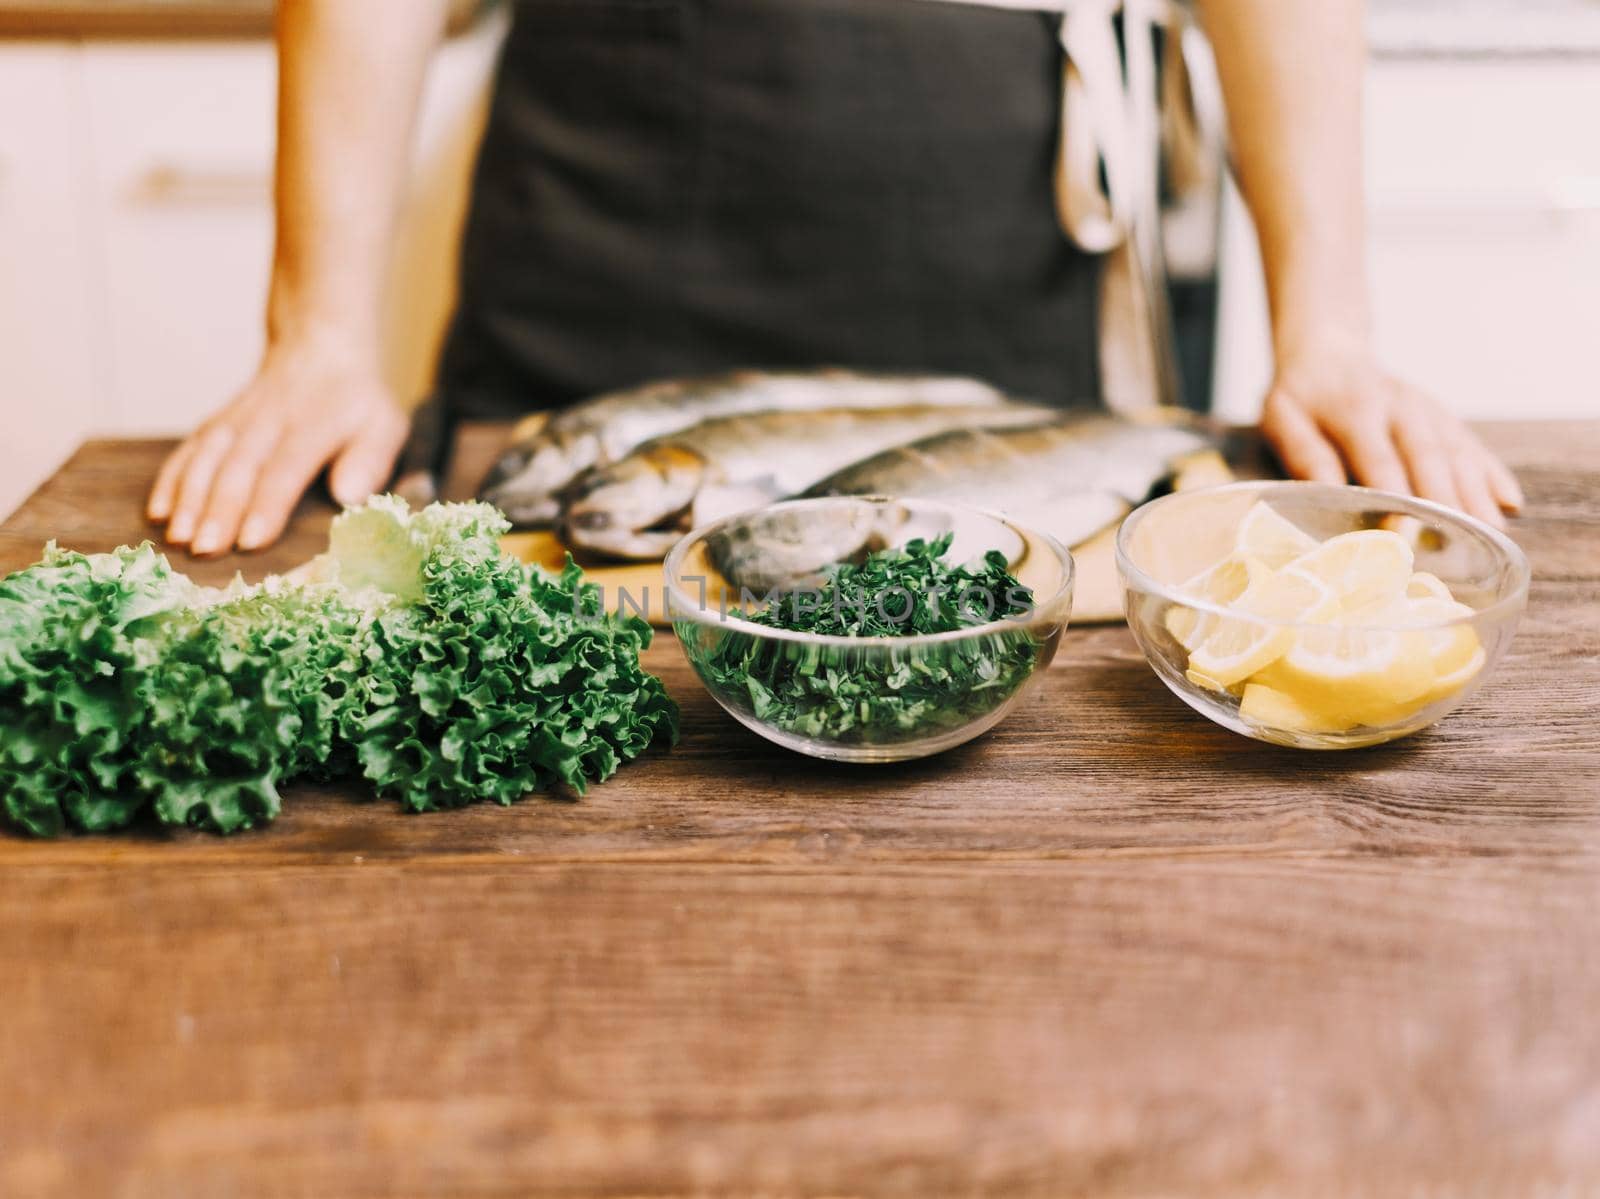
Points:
x=1109 y=949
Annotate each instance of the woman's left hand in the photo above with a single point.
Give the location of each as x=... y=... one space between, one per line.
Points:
x=1334 y=415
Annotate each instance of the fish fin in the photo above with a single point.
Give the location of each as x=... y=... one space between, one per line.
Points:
x=529 y=427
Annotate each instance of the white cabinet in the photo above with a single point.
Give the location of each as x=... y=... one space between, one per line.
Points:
x=1485 y=231
x=181 y=199
x=136 y=232
x=47 y=325
x=1483 y=183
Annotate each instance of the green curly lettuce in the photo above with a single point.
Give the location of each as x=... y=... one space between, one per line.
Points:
x=412 y=654
x=489 y=679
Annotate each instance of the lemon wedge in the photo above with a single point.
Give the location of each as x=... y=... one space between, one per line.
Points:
x=1200 y=679
x=1367 y=569
x=1233 y=650
x=1446 y=685
x=1456 y=652
x=1359 y=676
x=1230 y=650
x=1451 y=644
x=1324 y=637
x=1447 y=657
x=1291 y=595
x=1428 y=586
x=1220 y=584
x=1274 y=709
x=1269 y=536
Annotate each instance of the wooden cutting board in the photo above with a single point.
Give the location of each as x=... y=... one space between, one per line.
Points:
x=637 y=587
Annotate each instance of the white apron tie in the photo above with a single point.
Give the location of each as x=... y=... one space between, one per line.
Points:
x=1116 y=121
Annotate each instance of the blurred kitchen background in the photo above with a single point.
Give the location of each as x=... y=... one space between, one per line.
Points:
x=135 y=215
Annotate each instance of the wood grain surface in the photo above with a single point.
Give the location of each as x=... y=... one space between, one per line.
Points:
x=1108 y=949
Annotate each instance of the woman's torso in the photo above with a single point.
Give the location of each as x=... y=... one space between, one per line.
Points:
x=670 y=187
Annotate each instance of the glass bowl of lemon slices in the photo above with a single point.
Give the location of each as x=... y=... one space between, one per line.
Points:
x=1318 y=616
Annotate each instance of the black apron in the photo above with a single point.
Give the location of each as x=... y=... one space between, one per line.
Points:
x=673 y=187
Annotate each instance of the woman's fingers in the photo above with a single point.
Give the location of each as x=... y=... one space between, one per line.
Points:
x=1507 y=491
x=365 y=464
x=1472 y=475
x=1333 y=397
x=232 y=488
x=1299 y=443
x=1472 y=480
x=236 y=481
x=1369 y=449
x=1436 y=443
x=1427 y=457
x=164 y=493
x=211 y=446
x=282 y=483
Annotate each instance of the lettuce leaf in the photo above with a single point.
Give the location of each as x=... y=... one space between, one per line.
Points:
x=412 y=654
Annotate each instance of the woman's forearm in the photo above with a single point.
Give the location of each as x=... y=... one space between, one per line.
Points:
x=350 y=72
x=1292 y=77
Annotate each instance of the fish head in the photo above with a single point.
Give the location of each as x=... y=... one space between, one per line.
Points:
x=526 y=481
x=636 y=508
x=782 y=549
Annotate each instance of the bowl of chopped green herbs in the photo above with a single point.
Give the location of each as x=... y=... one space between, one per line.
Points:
x=867 y=628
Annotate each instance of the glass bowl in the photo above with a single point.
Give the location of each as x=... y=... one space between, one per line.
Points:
x=1352 y=679
x=860 y=699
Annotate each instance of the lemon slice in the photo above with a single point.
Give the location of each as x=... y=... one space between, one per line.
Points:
x=1454 y=655
x=1446 y=685
x=1359 y=676
x=1200 y=679
x=1233 y=649
x=1456 y=652
x=1428 y=586
x=1221 y=585
x=1269 y=536
x=1367 y=569
x=1227 y=580
x=1451 y=645
x=1291 y=595
x=1274 y=709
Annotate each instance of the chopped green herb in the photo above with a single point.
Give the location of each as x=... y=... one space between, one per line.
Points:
x=869 y=693
x=902 y=593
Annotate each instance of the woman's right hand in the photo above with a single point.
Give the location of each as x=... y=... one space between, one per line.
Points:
x=237 y=478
